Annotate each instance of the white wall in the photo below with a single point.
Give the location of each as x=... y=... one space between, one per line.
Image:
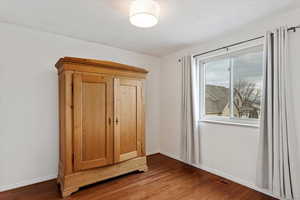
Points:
x=28 y=99
x=227 y=150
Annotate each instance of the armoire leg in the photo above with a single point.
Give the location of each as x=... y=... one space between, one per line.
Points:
x=68 y=191
x=144 y=168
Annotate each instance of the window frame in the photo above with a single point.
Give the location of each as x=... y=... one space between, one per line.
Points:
x=200 y=62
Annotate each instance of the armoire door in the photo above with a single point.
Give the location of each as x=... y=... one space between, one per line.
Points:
x=93 y=112
x=128 y=119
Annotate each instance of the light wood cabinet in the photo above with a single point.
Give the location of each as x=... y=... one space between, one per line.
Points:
x=101 y=115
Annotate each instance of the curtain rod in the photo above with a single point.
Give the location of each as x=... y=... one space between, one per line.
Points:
x=238 y=43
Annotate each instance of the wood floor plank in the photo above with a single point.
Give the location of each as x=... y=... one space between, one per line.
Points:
x=166 y=179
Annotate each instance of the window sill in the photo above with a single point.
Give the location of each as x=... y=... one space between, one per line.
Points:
x=229 y=123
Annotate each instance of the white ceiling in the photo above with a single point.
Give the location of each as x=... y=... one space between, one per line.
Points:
x=182 y=22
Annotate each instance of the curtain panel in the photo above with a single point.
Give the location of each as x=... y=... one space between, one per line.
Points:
x=277 y=159
x=190 y=149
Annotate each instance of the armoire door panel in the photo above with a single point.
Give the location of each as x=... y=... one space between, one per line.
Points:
x=93 y=109
x=94 y=136
x=128 y=116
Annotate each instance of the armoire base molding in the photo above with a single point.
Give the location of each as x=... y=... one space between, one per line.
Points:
x=71 y=183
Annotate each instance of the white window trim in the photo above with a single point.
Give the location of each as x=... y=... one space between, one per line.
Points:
x=219 y=119
x=226 y=121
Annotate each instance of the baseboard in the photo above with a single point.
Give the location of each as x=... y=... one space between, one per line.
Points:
x=40 y=179
x=152 y=153
x=26 y=182
x=173 y=156
x=202 y=167
x=224 y=175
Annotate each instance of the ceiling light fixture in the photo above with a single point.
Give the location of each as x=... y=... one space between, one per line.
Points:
x=144 y=13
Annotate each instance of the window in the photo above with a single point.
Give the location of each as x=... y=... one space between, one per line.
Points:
x=231 y=86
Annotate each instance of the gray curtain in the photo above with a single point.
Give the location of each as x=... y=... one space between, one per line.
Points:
x=277 y=159
x=190 y=111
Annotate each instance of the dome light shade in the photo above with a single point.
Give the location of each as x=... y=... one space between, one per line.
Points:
x=144 y=13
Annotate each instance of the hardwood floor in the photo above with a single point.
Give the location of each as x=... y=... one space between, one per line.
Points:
x=167 y=179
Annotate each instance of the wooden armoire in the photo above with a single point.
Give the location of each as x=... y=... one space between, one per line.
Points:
x=101 y=121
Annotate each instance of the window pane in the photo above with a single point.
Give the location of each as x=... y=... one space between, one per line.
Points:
x=247 y=82
x=217 y=88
